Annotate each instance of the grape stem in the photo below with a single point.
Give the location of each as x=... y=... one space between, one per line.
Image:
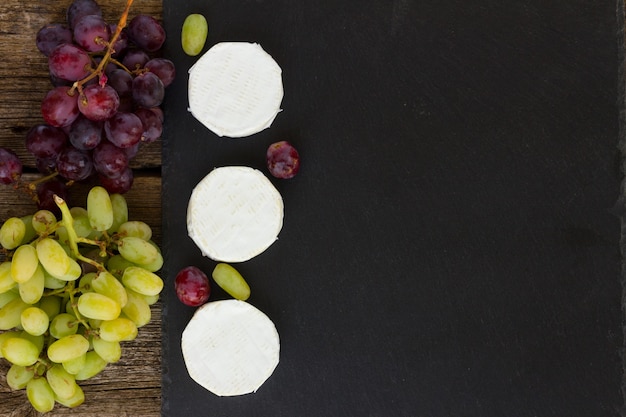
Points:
x=78 y=85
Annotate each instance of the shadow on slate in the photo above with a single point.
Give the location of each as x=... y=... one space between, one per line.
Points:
x=450 y=245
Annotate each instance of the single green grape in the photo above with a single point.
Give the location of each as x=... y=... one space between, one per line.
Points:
x=34 y=321
x=40 y=394
x=137 y=250
x=120 y=211
x=135 y=228
x=194 y=34
x=18 y=376
x=106 y=284
x=118 y=330
x=97 y=306
x=43 y=222
x=75 y=400
x=11 y=314
x=99 y=208
x=20 y=351
x=62 y=382
x=32 y=290
x=68 y=348
x=64 y=324
x=231 y=281
x=142 y=281
x=74 y=366
x=109 y=351
x=137 y=308
x=6 y=278
x=12 y=233
x=53 y=257
x=93 y=365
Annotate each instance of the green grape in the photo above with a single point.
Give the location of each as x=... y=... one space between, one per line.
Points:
x=142 y=281
x=8 y=295
x=12 y=233
x=137 y=250
x=43 y=222
x=18 y=376
x=231 y=281
x=135 y=228
x=85 y=282
x=75 y=400
x=94 y=323
x=99 y=208
x=118 y=330
x=20 y=351
x=51 y=305
x=62 y=234
x=63 y=325
x=38 y=341
x=194 y=33
x=30 y=233
x=94 y=364
x=51 y=282
x=11 y=313
x=81 y=223
x=137 y=309
x=73 y=366
x=6 y=336
x=53 y=257
x=97 y=306
x=117 y=264
x=40 y=395
x=109 y=351
x=67 y=348
x=35 y=321
x=73 y=272
x=31 y=291
x=6 y=278
x=106 y=284
x=156 y=265
x=120 y=211
x=24 y=263
x=62 y=382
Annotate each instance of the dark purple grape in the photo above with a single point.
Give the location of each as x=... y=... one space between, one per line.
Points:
x=85 y=134
x=159 y=112
x=121 y=43
x=148 y=90
x=135 y=59
x=121 y=81
x=45 y=141
x=123 y=129
x=10 y=166
x=121 y=184
x=109 y=160
x=146 y=32
x=45 y=195
x=74 y=165
x=91 y=33
x=52 y=35
x=132 y=151
x=59 y=108
x=192 y=286
x=69 y=62
x=46 y=165
x=60 y=82
x=152 y=126
x=283 y=160
x=98 y=103
x=163 y=68
x=80 y=8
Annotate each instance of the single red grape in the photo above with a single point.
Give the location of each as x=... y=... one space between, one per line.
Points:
x=44 y=141
x=148 y=90
x=283 y=160
x=59 y=108
x=192 y=286
x=98 y=103
x=69 y=62
x=120 y=184
x=123 y=129
x=52 y=35
x=10 y=166
x=163 y=68
x=146 y=32
x=92 y=33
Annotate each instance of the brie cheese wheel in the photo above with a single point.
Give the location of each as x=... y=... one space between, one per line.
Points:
x=234 y=214
x=230 y=347
x=235 y=89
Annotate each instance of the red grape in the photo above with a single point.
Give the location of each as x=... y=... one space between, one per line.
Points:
x=91 y=33
x=59 y=108
x=120 y=45
x=45 y=195
x=152 y=125
x=74 y=165
x=69 y=62
x=98 y=103
x=80 y=8
x=121 y=81
x=123 y=129
x=85 y=134
x=135 y=59
x=44 y=141
x=163 y=68
x=192 y=286
x=148 y=90
x=283 y=160
x=52 y=35
x=146 y=32
x=10 y=166
x=120 y=184
x=109 y=160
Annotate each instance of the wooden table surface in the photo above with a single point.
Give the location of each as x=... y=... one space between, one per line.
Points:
x=131 y=387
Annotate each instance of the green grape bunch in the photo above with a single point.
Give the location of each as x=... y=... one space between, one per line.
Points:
x=71 y=291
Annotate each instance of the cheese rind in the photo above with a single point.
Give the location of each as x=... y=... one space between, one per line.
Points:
x=230 y=347
x=235 y=89
x=234 y=214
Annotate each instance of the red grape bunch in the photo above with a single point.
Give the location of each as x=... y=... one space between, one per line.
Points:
x=108 y=82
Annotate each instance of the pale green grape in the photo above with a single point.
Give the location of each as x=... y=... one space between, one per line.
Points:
x=73 y=272
x=194 y=33
x=30 y=233
x=231 y=281
x=43 y=222
x=109 y=351
x=35 y=321
x=53 y=257
x=7 y=296
x=24 y=263
x=73 y=366
x=20 y=351
x=135 y=228
x=75 y=400
x=6 y=278
x=137 y=250
x=18 y=376
x=81 y=223
x=6 y=336
x=63 y=325
x=85 y=282
x=156 y=265
x=62 y=234
x=120 y=211
x=11 y=313
x=142 y=281
x=137 y=309
x=31 y=291
x=62 y=382
x=99 y=208
x=51 y=305
x=98 y=306
x=51 y=282
x=117 y=264
x=40 y=395
x=106 y=284
x=38 y=341
x=118 y=330
x=150 y=299
x=94 y=364
x=67 y=348
x=12 y=233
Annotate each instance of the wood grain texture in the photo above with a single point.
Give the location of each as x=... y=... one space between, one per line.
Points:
x=131 y=387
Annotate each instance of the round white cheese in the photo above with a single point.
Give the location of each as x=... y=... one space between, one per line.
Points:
x=230 y=347
x=235 y=89
x=234 y=214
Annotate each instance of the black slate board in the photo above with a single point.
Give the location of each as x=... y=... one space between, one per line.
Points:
x=450 y=246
